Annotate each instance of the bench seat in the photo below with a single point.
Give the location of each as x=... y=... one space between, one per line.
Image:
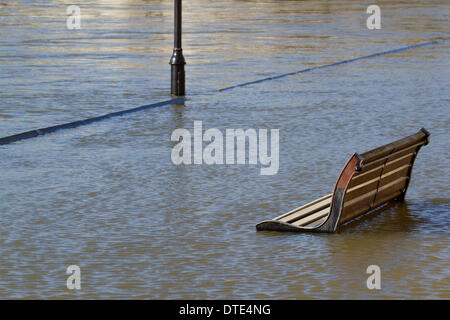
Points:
x=366 y=182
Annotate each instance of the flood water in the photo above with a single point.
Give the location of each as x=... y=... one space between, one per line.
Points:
x=108 y=198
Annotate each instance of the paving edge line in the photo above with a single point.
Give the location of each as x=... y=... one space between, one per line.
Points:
x=374 y=55
x=70 y=125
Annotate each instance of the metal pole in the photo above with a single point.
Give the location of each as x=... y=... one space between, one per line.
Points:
x=177 y=61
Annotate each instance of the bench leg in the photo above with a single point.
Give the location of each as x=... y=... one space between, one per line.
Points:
x=401 y=197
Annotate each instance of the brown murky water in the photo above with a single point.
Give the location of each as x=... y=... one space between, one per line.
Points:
x=107 y=197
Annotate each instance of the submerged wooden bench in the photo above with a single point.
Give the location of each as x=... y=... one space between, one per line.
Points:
x=366 y=182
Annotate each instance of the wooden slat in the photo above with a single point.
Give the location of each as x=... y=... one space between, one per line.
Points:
x=365 y=176
x=316 y=223
x=373 y=184
x=394 y=175
x=380 y=152
x=311 y=218
x=397 y=163
x=392 y=187
x=353 y=213
x=302 y=211
x=357 y=204
x=361 y=189
x=362 y=210
x=390 y=157
x=389 y=197
x=359 y=199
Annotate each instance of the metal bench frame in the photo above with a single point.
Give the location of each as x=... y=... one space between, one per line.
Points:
x=367 y=181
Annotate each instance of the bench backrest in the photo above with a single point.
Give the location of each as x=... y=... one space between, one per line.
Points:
x=373 y=178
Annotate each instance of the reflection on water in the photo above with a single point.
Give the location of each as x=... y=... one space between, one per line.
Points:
x=106 y=197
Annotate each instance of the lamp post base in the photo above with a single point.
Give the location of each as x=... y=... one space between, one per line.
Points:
x=178 y=76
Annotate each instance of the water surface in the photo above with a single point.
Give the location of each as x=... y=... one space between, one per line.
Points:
x=107 y=197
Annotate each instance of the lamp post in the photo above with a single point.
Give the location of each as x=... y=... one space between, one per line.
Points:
x=177 y=61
